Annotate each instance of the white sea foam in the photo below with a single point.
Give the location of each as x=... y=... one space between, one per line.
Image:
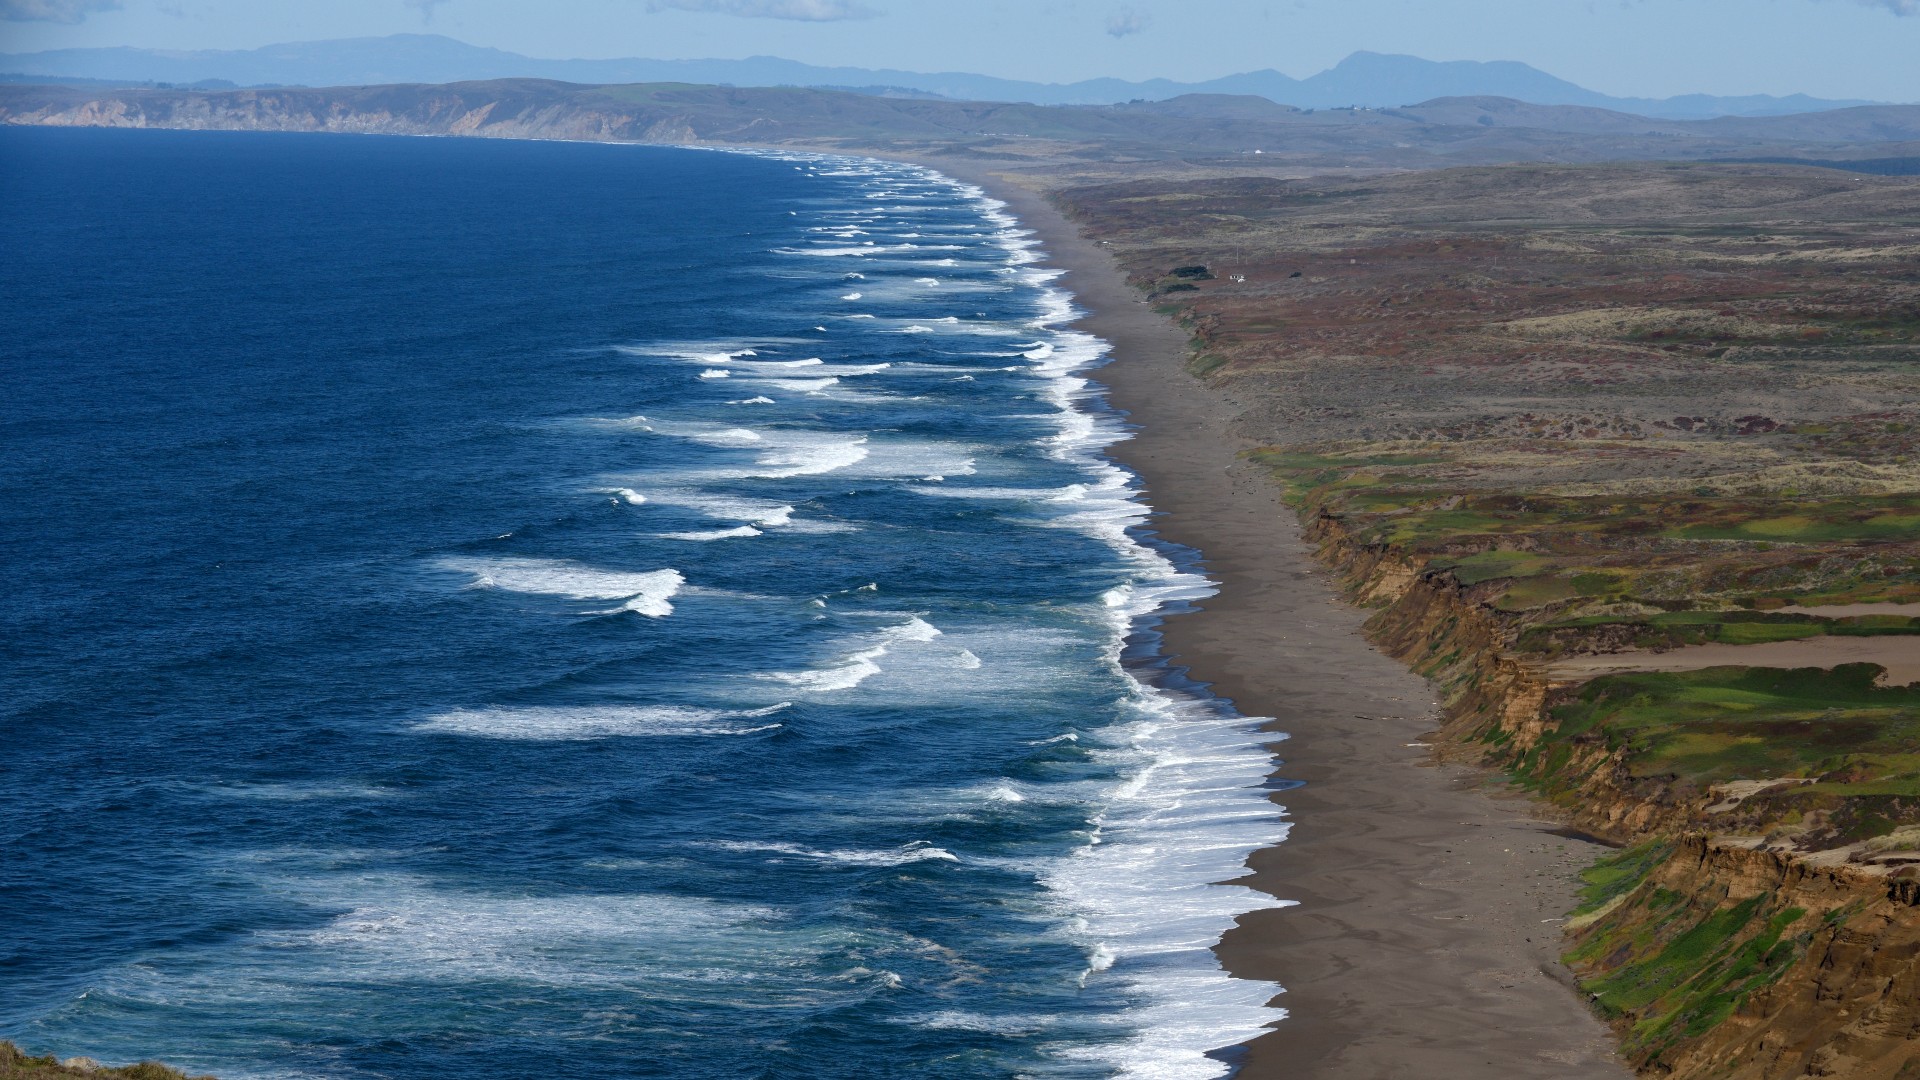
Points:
x=917 y=851
x=764 y=513
x=795 y=453
x=713 y=534
x=859 y=665
x=647 y=593
x=803 y=386
x=1140 y=899
x=575 y=722
x=403 y=931
x=957 y=1020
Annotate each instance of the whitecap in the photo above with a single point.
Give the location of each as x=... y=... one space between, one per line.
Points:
x=551 y=723
x=917 y=851
x=712 y=534
x=647 y=592
x=764 y=513
x=856 y=667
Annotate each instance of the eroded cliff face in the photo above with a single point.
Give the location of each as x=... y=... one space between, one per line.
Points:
x=1712 y=955
x=1715 y=960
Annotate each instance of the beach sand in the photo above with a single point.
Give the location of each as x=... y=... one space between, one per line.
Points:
x=1426 y=938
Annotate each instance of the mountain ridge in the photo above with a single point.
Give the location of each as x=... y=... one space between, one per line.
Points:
x=1442 y=132
x=1363 y=79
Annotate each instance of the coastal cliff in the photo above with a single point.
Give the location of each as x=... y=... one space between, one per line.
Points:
x=1559 y=431
x=1197 y=130
x=1712 y=954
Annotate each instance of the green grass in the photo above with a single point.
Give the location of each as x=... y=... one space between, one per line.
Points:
x=1673 y=968
x=1693 y=729
x=1531 y=593
x=1618 y=874
x=1489 y=565
x=1204 y=364
x=1671 y=629
x=1828 y=520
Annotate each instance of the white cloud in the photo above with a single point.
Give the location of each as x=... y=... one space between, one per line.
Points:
x=1128 y=21
x=796 y=10
x=61 y=11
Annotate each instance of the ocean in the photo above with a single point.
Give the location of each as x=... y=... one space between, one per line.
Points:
x=486 y=609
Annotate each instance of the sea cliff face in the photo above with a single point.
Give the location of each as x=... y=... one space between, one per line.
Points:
x=1712 y=955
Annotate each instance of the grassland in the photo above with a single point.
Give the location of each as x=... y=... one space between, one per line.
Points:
x=1623 y=409
x=1677 y=970
x=1554 y=419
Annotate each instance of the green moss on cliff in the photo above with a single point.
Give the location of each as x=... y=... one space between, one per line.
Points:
x=17 y=1065
x=1664 y=966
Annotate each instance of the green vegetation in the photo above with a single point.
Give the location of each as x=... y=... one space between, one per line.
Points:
x=1685 y=970
x=1671 y=629
x=16 y=1065
x=1204 y=364
x=1685 y=731
x=1563 y=555
x=1617 y=875
x=1667 y=964
x=1390 y=331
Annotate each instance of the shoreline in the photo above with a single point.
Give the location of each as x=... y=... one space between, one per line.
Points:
x=1400 y=957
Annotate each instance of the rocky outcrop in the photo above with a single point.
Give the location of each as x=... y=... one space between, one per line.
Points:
x=17 y=1065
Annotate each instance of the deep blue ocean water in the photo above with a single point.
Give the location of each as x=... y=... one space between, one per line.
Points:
x=481 y=609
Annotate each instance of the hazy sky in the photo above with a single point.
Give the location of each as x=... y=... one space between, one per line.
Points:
x=1831 y=48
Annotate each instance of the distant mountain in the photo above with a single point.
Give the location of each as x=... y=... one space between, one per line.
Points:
x=1365 y=79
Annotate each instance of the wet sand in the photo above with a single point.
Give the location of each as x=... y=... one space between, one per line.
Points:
x=1426 y=936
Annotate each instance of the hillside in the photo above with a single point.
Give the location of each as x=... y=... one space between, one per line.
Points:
x=1211 y=127
x=1366 y=79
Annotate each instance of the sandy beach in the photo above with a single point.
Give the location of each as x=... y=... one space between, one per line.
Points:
x=1426 y=937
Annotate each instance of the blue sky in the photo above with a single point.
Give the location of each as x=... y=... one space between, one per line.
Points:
x=1831 y=48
